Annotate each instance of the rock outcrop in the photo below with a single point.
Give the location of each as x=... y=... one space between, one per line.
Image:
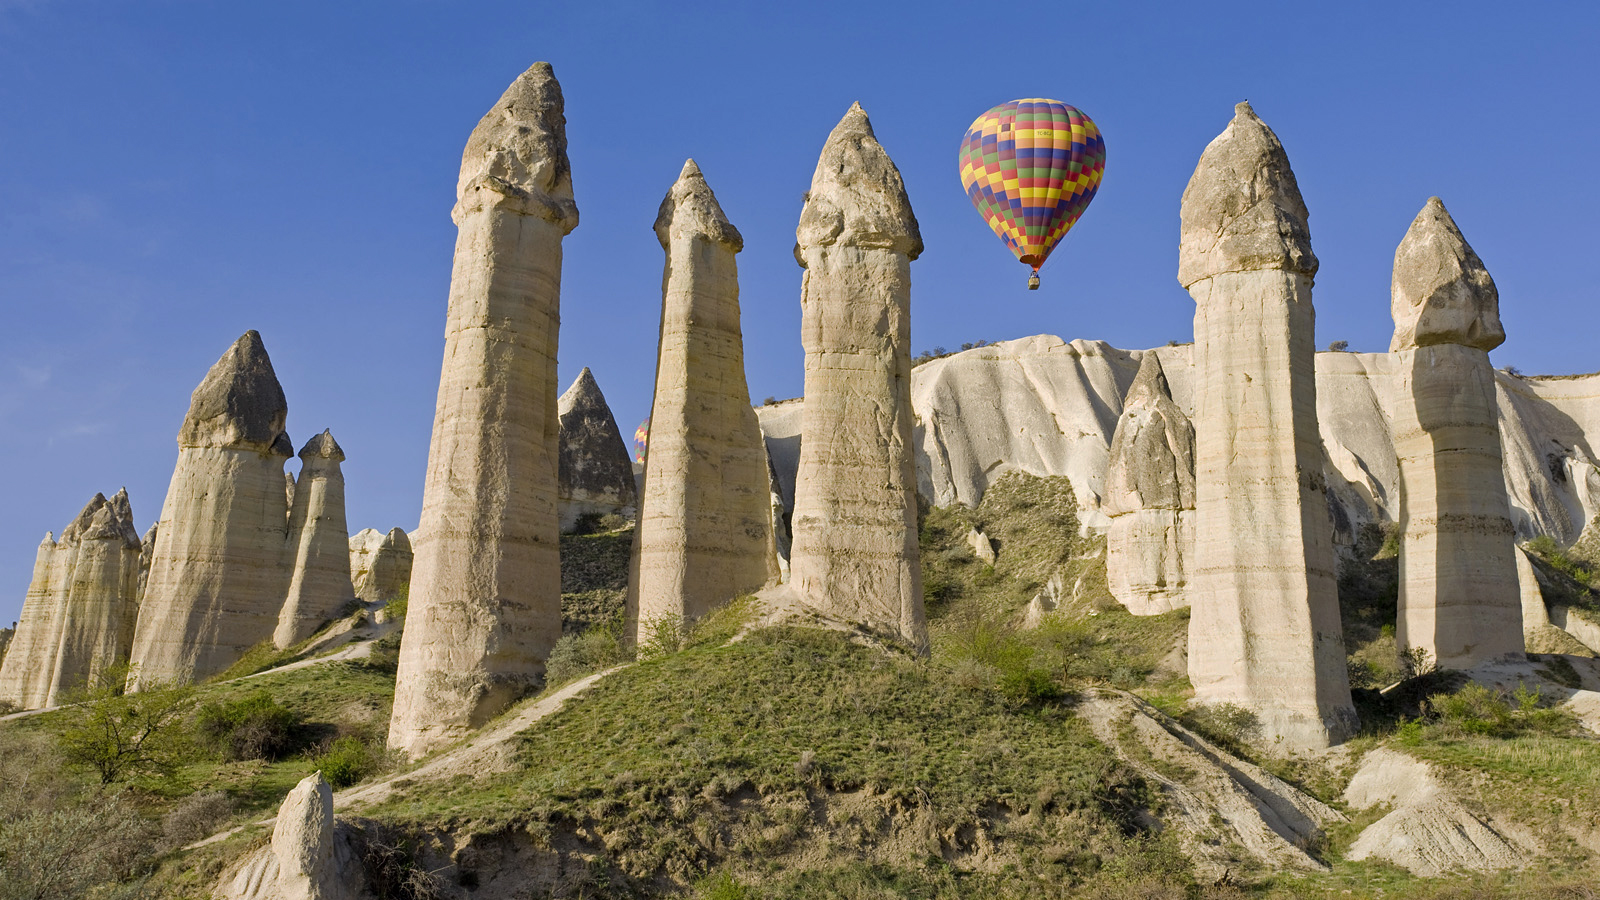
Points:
x=705 y=521
x=1265 y=631
x=217 y=575
x=1150 y=496
x=33 y=645
x=595 y=471
x=380 y=564
x=308 y=858
x=1459 y=601
x=485 y=603
x=854 y=550
x=319 y=545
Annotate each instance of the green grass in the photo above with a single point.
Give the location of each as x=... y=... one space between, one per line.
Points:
x=594 y=578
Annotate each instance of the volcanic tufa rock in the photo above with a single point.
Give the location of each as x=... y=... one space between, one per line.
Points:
x=1265 y=631
x=486 y=588
x=1459 y=598
x=380 y=564
x=33 y=645
x=595 y=471
x=307 y=858
x=705 y=522
x=1150 y=497
x=217 y=575
x=854 y=553
x=319 y=545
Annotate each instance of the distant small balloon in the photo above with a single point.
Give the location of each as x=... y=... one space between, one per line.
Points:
x=641 y=441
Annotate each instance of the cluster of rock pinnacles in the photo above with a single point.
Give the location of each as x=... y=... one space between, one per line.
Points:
x=1223 y=512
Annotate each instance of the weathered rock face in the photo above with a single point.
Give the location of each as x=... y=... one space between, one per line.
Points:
x=380 y=564
x=1265 y=631
x=486 y=589
x=101 y=606
x=217 y=575
x=307 y=859
x=596 y=473
x=319 y=545
x=1459 y=600
x=147 y=550
x=33 y=645
x=854 y=552
x=1150 y=497
x=705 y=523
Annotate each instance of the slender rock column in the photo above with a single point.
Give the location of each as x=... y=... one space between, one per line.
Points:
x=217 y=574
x=1459 y=598
x=705 y=523
x=97 y=625
x=854 y=551
x=319 y=545
x=1150 y=497
x=485 y=603
x=1265 y=631
x=34 y=643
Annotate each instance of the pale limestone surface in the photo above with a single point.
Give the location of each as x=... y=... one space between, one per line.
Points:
x=147 y=550
x=485 y=604
x=1459 y=599
x=982 y=547
x=594 y=469
x=1264 y=632
x=380 y=564
x=854 y=551
x=32 y=644
x=319 y=545
x=705 y=521
x=306 y=860
x=217 y=573
x=101 y=605
x=1150 y=494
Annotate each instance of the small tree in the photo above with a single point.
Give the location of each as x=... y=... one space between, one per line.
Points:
x=119 y=735
x=1339 y=346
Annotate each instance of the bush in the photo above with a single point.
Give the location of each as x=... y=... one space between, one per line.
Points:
x=348 y=760
x=1477 y=711
x=121 y=735
x=70 y=850
x=576 y=655
x=254 y=727
x=195 y=817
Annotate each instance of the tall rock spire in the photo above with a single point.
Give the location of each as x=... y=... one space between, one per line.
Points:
x=705 y=522
x=217 y=574
x=1264 y=632
x=1459 y=599
x=854 y=553
x=485 y=604
x=319 y=545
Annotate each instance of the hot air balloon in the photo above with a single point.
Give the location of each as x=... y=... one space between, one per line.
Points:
x=1031 y=167
x=641 y=441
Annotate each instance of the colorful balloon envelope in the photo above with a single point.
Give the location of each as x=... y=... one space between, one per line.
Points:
x=641 y=441
x=1031 y=167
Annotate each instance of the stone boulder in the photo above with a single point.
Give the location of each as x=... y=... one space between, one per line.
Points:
x=308 y=858
x=595 y=471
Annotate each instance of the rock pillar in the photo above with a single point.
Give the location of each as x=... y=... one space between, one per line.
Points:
x=97 y=621
x=596 y=473
x=854 y=526
x=217 y=576
x=33 y=646
x=485 y=603
x=319 y=545
x=1150 y=497
x=1265 y=631
x=1459 y=598
x=705 y=522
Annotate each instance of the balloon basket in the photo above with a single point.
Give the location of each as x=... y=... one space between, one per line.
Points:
x=1033 y=281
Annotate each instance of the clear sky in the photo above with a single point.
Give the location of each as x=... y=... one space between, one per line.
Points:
x=174 y=173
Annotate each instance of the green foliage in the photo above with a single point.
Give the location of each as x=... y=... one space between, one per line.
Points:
x=251 y=727
x=1477 y=710
x=259 y=658
x=348 y=760
x=69 y=848
x=1228 y=725
x=723 y=886
x=117 y=736
x=594 y=649
x=594 y=577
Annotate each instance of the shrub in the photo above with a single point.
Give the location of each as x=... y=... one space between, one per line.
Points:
x=70 y=850
x=348 y=760
x=196 y=816
x=254 y=727
x=1477 y=711
x=118 y=736
x=591 y=650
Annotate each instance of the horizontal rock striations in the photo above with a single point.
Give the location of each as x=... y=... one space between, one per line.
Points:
x=1150 y=496
x=486 y=587
x=595 y=473
x=1459 y=598
x=217 y=573
x=319 y=545
x=1265 y=631
x=854 y=549
x=705 y=522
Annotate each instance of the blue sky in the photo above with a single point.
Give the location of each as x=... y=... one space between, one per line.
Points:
x=174 y=173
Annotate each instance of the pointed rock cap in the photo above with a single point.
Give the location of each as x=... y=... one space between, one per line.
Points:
x=49 y=540
x=103 y=526
x=396 y=540
x=517 y=155
x=1441 y=293
x=239 y=404
x=1151 y=464
x=322 y=447
x=690 y=211
x=124 y=514
x=582 y=396
x=1242 y=210
x=857 y=197
x=81 y=522
x=1150 y=385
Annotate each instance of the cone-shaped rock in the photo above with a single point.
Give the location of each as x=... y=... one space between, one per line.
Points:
x=1459 y=597
x=307 y=858
x=63 y=566
x=33 y=644
x=705 y=521
x=319 y=545
x=485 y=603
x=1265 y=631
x=596 y=473
x=854 y=527
x=98 y=616
x=380 y=564
x=217 y=573
x=1150 y=497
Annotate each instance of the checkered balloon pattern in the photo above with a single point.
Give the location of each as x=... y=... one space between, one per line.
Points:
x=1031 y=167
